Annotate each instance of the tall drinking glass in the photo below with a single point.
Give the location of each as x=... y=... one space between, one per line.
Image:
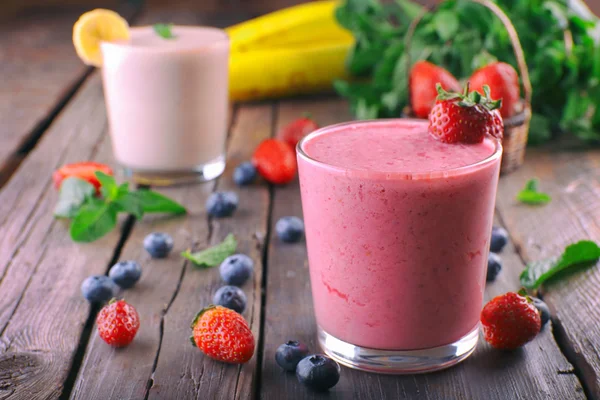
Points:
x=167 y=103
x=398 y=231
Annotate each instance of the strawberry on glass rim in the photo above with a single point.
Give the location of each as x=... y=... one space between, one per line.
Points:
x=85 y=170
x=466 y=118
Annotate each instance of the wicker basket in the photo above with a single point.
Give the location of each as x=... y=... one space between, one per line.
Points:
x=516 y=128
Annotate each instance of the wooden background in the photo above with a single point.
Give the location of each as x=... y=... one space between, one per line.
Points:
x=52 y=112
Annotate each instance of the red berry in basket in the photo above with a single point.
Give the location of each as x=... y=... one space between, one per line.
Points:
x=503 y=81
x=465 y=118
x=510 y=320
x=296 y=130
x=422 y=86
x=118 y=322
x=223 y=334
x=275 y=161
x=83 y=170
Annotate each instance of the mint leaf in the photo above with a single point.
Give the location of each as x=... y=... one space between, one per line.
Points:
x=109 y=188
x=575 y=254
x=446 y=24
x=154 y=202
x=164 y=31
x=73 y=193
x=95 y=219
x=214 y=255
x=531 y=195
x=130 y=203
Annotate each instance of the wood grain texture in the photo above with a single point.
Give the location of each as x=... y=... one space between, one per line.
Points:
x=42 y=312
x=182 y=371
x=39 y=70
x=572 y=178
x=539 y=371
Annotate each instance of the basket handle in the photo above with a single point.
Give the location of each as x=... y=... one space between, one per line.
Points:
x=512 y=33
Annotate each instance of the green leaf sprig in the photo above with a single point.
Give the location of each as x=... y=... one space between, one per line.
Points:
x=463 y=37
x=531 y=194
x=165 y=31
x=214 y=255
x=576 y=254
x=93 y=217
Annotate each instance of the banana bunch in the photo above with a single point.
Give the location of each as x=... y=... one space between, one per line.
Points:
x=297 y=50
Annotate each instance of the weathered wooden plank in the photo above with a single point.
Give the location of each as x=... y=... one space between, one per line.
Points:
x=572 y=178
x=42 y=312
x=181 y=370
x=538 y=371
x=40 y=71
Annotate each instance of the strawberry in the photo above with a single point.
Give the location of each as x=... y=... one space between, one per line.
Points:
x=510 y=320
x=118 y=322
x=296 y=130
x=503 y=82
x=223 y=334
x=466 y=117
x=275 y=161
x=83 y=170
x=422 y=86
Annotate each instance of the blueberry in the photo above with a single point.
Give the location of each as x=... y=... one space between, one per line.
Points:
x=289 y=354
x=244 y=174
x=543 y=309
x=318 y=372
x=158 y=244
x=98 y=288
x=494 y=267
x=222 y=204
x=499 y=239
x=236 y=269
x=231 y=297
x=289 y=229
x=125 y=273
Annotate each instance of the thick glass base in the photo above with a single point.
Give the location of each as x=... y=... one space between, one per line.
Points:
x=397 y=361
x=201 y=173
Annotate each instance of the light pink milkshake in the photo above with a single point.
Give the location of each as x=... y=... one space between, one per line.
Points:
x=397 y=227
x=167 y=103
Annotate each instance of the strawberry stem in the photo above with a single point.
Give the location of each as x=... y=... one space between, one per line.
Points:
x=469 y=99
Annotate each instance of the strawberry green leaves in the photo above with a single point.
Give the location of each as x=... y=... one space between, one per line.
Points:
x=93 y=217
x=576 y=254
x=214 y=255
x=531 y=195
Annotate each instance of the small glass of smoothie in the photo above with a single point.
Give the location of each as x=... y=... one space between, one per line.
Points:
x=398 y=226
x=167 y=103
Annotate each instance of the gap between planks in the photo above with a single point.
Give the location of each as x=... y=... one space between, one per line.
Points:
x=580 y=366
x=130 y=9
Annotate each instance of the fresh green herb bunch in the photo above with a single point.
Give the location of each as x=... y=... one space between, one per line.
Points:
x=463 y=36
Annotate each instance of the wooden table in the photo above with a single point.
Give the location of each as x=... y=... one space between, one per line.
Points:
x=53 y=113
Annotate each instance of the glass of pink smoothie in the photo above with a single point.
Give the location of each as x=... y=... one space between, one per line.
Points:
x=397 y=227
x=167 y=103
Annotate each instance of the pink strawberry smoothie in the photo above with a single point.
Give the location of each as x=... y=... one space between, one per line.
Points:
x=397 y=228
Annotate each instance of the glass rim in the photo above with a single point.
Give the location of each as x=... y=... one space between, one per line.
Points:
x=224 y=39
x=406 y=175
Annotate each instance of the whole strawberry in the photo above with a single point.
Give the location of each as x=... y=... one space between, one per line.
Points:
x=223 y=334
x=275 y=160
x=503 y=82
x=118 y=322
x=422 y=86
x=466 y=117
x=510 y=320
x=296 y=130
